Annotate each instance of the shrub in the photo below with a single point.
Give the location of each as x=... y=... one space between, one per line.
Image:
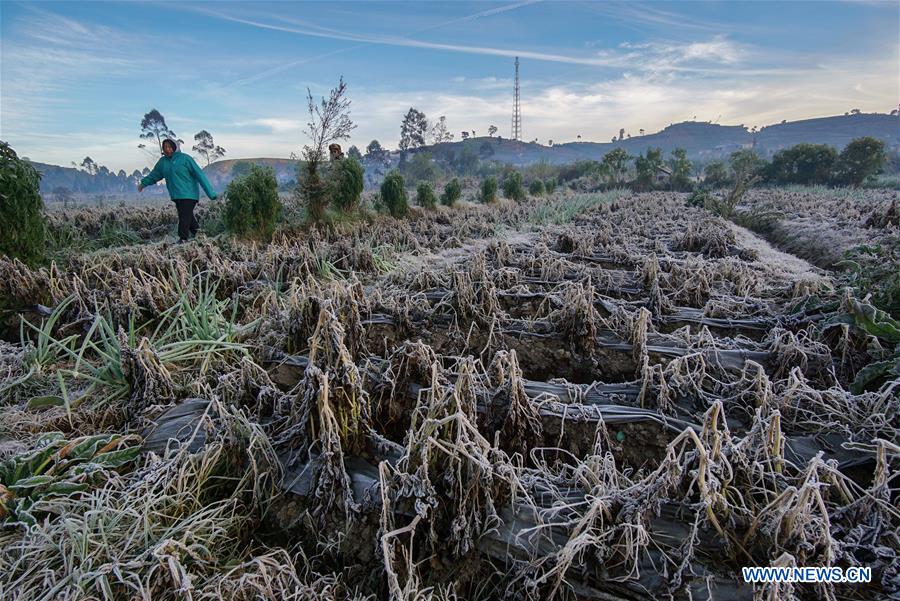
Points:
x=536 y=188
x=393 y=194
x=421 y=167
x=550 y=185
x=346 y=184
x=860 y=159
x=681 y=171
x=23 y=225
x=452 y=192
x=807 y=164
x=715 y=175
x=746 y=164
x=251 y=204
x=489 y=190
x=700 y=198
x=646 y=168
x=425 y=197
x=512 y=186
x=313 y=191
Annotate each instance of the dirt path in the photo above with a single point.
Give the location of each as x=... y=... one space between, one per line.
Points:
x=776 y=260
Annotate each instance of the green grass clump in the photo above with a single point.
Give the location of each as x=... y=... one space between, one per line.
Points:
x=564 y=211
x=536 y=188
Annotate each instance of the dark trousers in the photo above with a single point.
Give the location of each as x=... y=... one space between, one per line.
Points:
x=187 y=223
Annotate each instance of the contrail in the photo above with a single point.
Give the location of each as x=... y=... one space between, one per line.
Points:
x=615 y=62
x=326 y=32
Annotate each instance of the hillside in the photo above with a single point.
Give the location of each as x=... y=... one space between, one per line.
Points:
x=703 y=142
x=222 y=172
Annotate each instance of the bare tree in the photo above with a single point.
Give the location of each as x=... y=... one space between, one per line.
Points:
x=492 y=130
x=206 y=148
x=154 y=128
x=439 y=132
x=329 y=121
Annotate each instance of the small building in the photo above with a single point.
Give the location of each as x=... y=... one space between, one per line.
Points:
x=663 y=173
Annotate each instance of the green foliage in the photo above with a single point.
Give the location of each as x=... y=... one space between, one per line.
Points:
x=43 y=350
x=562 y=211
x=413 y=129
x=486 y=150
x=874 y=375
x=874 y=270
x=23 y=225
x=512 y=186
x=681 y=170
x=861 y=159
x=452 y=192
x=699 y=198
x=647 y=166
x=615 y=164
x=715 y=175
x=252 y=206
x=536 y=188
x=871 y=321
x=241 y=168
x=312 y=190
x=807 y=164
x=112 y=234
x=489 y=190
x=56 y=468
x=421 y=168
x=393 y=194
x=579 y=169
x=467 y=161
x=346 y=184
x=550 y=185
x=746 y=164
x=425 y=196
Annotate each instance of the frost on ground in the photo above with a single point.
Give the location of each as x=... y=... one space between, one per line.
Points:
x=593 y=396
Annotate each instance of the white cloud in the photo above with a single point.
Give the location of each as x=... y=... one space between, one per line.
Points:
x=719 y=49
x=275 y=124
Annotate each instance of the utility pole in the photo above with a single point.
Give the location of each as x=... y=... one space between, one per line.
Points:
x=517 y=109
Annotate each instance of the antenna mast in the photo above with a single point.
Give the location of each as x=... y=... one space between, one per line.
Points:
x=517 y=109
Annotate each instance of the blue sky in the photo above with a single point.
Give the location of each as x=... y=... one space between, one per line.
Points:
x=76 y=77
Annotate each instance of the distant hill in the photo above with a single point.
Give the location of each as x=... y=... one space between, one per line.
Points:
x=77 y=181
x=702 y=141
x=221 y=173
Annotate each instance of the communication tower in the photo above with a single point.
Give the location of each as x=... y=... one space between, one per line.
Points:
x=517 y=109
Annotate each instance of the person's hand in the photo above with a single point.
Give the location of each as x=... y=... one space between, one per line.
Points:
x=140 y=188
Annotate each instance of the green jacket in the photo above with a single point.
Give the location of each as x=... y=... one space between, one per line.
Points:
x=182 y=173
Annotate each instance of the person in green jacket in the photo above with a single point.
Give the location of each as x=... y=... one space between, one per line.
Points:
x=182 y=174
